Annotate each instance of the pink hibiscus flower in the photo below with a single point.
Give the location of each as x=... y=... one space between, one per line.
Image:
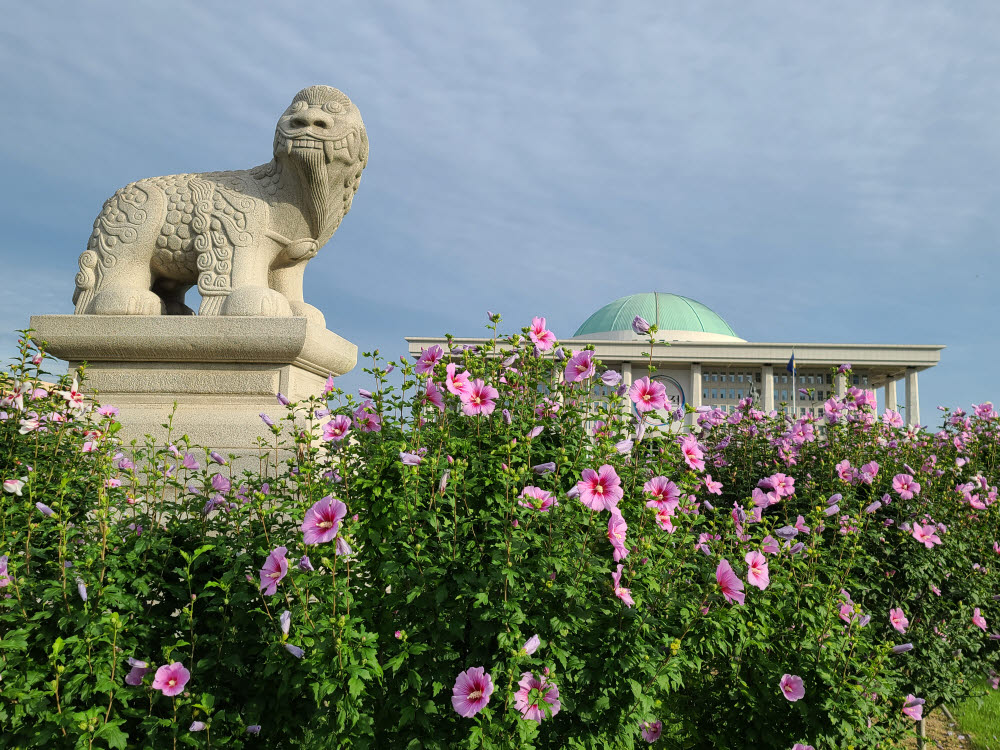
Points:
x=913 y=707
x=792 y=687
x=479 y=399
x=275 y=568
x=601 y=489
x=471 y=692
x=666 y=494
x=925 y=535
x=540 y=335
x=171 y=679
x=533 y=693
x=322 y=520
x=978 y=620
x=905 y=486
x=432 y=395
x=428 y=358
x=770 y=545
x=366 y=419
x=616 y=533
x=456 y=383
x=651 y=730
x=757 y=574
x=732 y=587
x=336 y=429
x=692 y=452
x=898 y=619
x=579 y=367
x=647 y=395
x=713 y=487
x=622 y=593
x=537 y=499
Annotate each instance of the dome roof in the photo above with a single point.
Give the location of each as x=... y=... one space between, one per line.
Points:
x=678 y=319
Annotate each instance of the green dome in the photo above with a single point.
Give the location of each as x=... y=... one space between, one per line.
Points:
x=670 y=312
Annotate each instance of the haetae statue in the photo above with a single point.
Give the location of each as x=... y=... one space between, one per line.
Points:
x=243 y=237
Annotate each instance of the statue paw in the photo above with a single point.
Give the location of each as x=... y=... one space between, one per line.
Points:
x=124 y=301
x=257 y=301
x=310 y=313
x=302 y=249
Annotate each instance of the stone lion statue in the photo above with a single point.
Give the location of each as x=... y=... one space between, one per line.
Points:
x=243 y=237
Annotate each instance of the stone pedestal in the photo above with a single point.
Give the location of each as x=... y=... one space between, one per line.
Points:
x=221 y=371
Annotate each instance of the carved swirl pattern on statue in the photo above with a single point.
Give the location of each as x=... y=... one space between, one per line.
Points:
x=117 y=224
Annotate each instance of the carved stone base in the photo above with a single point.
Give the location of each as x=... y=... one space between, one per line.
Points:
x=222 y=371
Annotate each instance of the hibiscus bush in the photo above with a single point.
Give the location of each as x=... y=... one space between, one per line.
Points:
x=493 y=546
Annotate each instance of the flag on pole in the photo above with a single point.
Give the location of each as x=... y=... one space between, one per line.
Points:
x=791 y=364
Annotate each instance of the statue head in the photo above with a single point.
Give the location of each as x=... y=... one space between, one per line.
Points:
x=322 y=136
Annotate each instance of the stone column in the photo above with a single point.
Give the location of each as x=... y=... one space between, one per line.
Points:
x=912 y=397
x=696 y=389
x=890 y=395
x=696 y=385
x=767 y=383
x=841 y=385
x=627 y=380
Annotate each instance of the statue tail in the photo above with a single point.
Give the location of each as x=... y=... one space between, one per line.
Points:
x=86 y=281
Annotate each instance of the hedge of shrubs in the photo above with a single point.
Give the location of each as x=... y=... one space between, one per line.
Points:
x=492 y=547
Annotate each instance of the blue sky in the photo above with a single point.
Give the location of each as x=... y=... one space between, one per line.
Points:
x=812 y=172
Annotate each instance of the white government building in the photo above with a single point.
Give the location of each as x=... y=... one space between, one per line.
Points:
x=708 y=364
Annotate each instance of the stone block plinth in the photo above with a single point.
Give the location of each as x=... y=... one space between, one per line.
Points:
x=222 y=371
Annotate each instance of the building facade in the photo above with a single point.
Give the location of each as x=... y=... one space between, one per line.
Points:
x=706 y=364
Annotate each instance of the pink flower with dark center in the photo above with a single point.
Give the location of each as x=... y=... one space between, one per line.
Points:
x=647 y=395
x=732 y=587
x=897 y=619
x=533 y=694
x=616 y=533
x=692 y=452
x=428 y=358
x=666 y=494
x=792 y=687
x=757 y=574
x=913 y=707
x=171 y=679
x=365 y=418
x=663 y=520
x=74 y=399
x=537 y=499
x=322 y=520
x=905 y=486
x=579 y=367
x=479 y=399
x=845 y=471
x=432 y=395
x=601 y=489
x=622 y=593
x=540 y=335
x=336 y=429
x=782 y=484
x=471 y=692
x=457 y=384
x=275 y=568
x=651 y=730
x=925 y=535
x=978 y=620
